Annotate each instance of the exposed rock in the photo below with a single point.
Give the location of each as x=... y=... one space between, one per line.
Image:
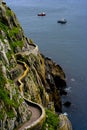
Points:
x=67 y=104
x=55 y=78
x=63 y=92
x=65 y=123
x=43 y=83
x=1 y=1
x=3 y=52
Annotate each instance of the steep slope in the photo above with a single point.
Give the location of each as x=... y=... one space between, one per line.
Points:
x=12 y=109
x=42 y=84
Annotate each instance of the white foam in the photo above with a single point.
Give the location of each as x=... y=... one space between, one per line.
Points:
x=65 y=113
x=68 y=89
x=72 y=79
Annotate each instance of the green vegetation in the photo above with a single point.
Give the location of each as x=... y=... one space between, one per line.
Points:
x=1 y=114
x=13 y=31
x=31 y=41
x=33 y=98
x=12 y=35
x=9 y=104
x=15 y=44
x=51 y=121
x=5 y=97
x=10 y=114
x=3 y=27
x=2 y=79
x=9 y=55
x=8 y=12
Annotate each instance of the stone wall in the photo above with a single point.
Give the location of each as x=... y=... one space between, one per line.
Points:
x=36 y=125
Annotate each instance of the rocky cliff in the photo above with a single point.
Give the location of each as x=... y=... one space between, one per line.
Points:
x=42 y=84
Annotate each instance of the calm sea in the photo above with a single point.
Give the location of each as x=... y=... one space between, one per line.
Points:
x=65 y=44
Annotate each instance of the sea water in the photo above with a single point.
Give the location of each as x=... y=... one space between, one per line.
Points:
x=66 y=44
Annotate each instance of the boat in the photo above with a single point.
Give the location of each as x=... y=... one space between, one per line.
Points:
x=62 y=21
x=41 y=14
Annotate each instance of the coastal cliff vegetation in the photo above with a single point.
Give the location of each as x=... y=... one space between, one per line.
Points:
x=42 y=84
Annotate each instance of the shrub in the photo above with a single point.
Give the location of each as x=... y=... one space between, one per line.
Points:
x=15 y=44
x=51 y=121
x=2 y=79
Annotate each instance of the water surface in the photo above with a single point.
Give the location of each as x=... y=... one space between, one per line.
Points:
x=65 y=44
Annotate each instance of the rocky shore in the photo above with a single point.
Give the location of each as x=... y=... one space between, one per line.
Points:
x=43 y=84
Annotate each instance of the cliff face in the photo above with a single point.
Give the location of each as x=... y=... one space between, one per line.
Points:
x=43 y=82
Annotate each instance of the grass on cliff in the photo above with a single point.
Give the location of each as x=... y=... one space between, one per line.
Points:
x=12 y=35
x=5 y=99
x=2 y=79
x=9 y=103
x=51 y=122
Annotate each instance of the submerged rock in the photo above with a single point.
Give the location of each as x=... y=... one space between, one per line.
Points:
x=67 y=104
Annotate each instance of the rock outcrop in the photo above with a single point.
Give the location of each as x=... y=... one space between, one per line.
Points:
x=43 y=83
x=64 y=124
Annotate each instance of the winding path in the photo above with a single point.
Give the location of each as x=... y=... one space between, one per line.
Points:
x=38 y=113
x=35 y=115
x=34 y=51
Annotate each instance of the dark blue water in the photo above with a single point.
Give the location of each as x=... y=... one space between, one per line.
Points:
x=65 y=44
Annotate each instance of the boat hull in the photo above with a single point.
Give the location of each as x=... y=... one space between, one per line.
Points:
x=62 y=21
x=41 y=14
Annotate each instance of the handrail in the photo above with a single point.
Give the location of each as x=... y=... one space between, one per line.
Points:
x=36 y=105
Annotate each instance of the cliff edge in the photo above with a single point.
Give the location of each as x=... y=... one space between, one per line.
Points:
x=42 y=84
